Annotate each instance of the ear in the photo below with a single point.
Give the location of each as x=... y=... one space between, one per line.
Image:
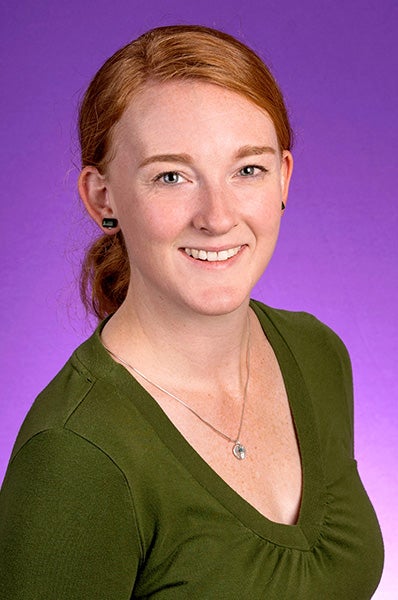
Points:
x=94 y=193
x=286 y=173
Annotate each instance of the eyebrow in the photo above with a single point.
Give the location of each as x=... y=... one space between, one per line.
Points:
x=243 y=152
x=254 y=151
x=181 y=158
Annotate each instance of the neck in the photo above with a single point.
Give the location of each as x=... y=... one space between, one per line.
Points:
x=203 y=351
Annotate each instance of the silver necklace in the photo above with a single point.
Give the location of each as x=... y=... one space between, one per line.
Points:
x=238 y=449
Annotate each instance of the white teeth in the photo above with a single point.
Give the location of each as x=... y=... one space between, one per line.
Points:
x=212 y=256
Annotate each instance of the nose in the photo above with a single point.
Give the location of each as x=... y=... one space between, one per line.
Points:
x=215 y=213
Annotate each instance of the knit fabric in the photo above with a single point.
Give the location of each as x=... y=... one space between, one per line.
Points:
x=105 y=499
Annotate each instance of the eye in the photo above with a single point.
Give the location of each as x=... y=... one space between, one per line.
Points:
x=169 y=177
x=251 y=171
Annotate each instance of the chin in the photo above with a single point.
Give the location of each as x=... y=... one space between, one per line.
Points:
x=220 y=302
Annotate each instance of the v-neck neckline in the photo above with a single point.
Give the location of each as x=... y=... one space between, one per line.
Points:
x=301 y=535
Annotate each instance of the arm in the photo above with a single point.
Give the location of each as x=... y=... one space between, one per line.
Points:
x=67 y=523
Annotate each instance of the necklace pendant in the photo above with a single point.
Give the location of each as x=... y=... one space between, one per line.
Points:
x=239 y=451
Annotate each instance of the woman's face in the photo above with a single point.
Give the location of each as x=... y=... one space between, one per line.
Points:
x=196 y=181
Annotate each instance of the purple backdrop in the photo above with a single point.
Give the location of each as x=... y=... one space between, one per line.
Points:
x=337 y=64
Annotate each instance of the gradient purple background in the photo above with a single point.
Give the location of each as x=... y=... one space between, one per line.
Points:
x=337 y=64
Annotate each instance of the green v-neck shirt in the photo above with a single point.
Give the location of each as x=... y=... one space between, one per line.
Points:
x=104 y=499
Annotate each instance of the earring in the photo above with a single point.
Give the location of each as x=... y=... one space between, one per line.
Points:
x=283 y=206
x=109 y=223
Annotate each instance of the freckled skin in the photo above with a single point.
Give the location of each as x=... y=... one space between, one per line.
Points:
x=208 y=199
x=195 y=166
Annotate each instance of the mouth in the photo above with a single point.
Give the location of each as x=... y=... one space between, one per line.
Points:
x=204 y=255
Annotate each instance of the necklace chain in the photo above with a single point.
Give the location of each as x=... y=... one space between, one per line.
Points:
x=238 y=450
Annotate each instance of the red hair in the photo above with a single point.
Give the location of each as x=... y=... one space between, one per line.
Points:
x=188 y=52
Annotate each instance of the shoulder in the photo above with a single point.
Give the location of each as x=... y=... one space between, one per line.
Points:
x=54 y=405
x=91 y=406
x=65 y=398
x=306 y=336
x=62 y=457
x=323 y=361
x=318 y=350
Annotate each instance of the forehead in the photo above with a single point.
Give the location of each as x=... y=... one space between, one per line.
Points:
x=191 y=112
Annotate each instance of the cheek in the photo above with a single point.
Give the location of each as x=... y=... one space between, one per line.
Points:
x=265 y=228
x=266 y=216
x=151 y=226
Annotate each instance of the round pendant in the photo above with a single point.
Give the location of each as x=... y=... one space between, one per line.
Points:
x=239 y=451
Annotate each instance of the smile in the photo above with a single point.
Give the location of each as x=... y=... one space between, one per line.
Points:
x=212 y=256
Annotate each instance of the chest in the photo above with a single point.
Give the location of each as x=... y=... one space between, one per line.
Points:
x=205 y=527
x=206 y=541
x=270 y=477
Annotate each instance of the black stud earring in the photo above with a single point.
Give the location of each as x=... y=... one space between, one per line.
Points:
x=283 y=206
x=109 y=223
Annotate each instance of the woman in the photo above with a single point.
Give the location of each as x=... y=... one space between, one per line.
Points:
x=199 y=444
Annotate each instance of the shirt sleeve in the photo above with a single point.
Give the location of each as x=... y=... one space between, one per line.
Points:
x=67 y=523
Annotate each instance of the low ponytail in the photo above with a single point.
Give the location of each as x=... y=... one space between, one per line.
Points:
x=176 y=52
x=105 y=275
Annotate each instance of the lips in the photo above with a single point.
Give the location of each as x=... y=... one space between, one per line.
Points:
x=222 y=255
